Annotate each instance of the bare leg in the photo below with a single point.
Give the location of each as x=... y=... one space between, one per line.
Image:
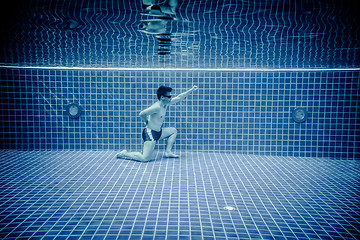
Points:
x=169 y=133
x=145 y=156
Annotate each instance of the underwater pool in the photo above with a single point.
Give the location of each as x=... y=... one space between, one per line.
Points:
x=269 y=144
x=203 y=34
x=92 y=195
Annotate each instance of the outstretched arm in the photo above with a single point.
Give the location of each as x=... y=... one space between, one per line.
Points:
x=181 y=96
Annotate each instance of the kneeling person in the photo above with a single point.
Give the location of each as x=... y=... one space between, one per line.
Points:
x=153 y=117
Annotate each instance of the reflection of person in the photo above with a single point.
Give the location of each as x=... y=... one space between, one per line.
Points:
x=168 y=8
x=153 y=26
x=161 y=14
x=153 y=117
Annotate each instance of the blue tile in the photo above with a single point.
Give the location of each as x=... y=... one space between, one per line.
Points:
x=94 y=133
x=103 y=194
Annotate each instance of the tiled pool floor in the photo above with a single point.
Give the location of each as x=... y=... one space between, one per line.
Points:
x=93 y=195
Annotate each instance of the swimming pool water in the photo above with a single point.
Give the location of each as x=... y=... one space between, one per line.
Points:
x=93 y=195
x=205 y=34
x=247 y=112
x=246 y=169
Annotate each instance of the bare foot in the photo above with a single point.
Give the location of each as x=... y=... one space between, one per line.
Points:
x=170 y=155
x=121 y=154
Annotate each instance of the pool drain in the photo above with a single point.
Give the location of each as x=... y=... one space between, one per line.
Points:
x=229 y=208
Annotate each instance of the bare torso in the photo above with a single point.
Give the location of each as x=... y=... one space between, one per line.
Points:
x=156 y=120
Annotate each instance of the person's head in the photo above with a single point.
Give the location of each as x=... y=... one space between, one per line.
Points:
x=163 y=92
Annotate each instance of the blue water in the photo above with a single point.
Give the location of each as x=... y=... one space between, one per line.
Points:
x=246 y=170
x=248 y=112
x=92 y=195
x=204 y=34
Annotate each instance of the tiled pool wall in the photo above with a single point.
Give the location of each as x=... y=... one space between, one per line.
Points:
x=236 y=111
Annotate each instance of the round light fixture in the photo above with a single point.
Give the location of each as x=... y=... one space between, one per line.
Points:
x=73 y=110
x=299 y=115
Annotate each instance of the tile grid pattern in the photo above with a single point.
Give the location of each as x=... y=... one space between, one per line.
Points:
x=244 y=112
x=206 y=34
x=79 y=195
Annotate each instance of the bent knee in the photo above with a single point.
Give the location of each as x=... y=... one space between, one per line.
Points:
x=174 y=130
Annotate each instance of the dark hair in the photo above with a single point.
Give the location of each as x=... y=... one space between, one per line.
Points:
x=162 y=90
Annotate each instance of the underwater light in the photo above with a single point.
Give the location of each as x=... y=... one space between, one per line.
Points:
x=73 y=110
x=299 y=115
